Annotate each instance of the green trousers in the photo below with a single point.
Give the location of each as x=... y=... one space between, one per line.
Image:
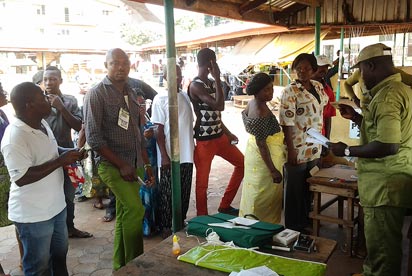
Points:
x=383 y=233
x=128 y=237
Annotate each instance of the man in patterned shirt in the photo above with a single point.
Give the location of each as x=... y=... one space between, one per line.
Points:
x=212 y=136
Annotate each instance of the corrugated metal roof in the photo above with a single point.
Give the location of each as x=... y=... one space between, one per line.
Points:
x=293 y=14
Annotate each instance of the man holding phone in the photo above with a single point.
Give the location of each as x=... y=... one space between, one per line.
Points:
x=212 y=136
x=65 y=116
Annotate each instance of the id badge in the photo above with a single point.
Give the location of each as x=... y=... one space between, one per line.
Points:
x=123 y=120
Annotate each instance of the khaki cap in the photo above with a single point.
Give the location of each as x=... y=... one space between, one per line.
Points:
x=322 y=60
x=372 y=51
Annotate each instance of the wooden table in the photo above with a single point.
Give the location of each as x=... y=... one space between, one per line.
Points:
x=344 y=190
x=160 y=260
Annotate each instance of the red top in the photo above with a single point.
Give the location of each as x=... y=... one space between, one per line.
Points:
x=328 y=111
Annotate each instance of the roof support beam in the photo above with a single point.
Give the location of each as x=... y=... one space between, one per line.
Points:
x=250 y=5
x=218 y=8
x=312 y=3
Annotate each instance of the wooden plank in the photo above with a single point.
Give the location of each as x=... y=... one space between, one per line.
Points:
x=330 y=219
x=329 y=181
x=332 y=190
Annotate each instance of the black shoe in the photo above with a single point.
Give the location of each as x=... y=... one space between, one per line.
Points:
x=230 y=211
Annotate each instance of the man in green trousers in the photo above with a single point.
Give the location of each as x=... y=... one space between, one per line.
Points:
x=112 y=127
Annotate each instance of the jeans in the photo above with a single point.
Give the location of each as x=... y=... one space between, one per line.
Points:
x=205 y=151
x=128 y=234
x=45 y=246
x=111 y=207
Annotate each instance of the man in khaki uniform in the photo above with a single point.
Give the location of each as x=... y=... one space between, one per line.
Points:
x=385 y=158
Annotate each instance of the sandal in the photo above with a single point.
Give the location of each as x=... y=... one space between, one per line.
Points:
x=108 y=217
x=98 y=205
x=76 y=233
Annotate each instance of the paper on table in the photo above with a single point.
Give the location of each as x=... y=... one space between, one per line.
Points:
x=243 y=221
x=255 y=271
x=228 y=225
x=316 y=137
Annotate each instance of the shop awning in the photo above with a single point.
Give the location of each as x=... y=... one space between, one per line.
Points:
x=280 y=48
x=243 y=54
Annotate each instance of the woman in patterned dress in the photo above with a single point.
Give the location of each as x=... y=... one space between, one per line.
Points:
x=265 y=155
x=301 y=108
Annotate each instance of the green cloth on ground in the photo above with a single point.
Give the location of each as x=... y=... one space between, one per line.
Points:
x=228 y=259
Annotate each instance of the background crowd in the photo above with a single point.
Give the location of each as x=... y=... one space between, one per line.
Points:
x=124 y=152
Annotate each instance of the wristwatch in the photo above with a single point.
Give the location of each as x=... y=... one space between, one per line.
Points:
x=347 y=151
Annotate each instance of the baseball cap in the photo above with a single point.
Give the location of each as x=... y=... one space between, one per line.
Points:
x=322 y=60
x=372 y=51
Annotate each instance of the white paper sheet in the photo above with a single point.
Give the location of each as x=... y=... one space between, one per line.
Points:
x=243 y=221
x=256 y=271
x=316 y=137
x=228 y=225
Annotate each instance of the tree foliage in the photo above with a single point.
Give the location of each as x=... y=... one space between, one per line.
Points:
x=138 y=36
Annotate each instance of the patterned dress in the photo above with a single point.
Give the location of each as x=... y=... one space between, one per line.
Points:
x=260 y=196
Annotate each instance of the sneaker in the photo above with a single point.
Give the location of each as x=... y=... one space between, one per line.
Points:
x=230 y=211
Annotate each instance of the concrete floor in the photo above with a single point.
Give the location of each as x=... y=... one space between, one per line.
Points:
x=93 y=256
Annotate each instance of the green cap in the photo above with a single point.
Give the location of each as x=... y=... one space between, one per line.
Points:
x=372 y=51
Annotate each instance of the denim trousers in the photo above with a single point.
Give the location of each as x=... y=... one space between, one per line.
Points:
x=45 y=246
x=128 y=234
x=205 y=151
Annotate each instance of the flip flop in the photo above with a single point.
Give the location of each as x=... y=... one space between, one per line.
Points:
x=108 y=217
x=98 y=205
x=76 y=233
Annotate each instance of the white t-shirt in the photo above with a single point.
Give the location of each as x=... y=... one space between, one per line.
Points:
x=160 y=115
x=24 y=147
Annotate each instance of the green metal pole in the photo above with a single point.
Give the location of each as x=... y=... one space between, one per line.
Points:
x=289 y=70
x=281 y=78
x=317 y=31
x=342 y=37
x=173 y=115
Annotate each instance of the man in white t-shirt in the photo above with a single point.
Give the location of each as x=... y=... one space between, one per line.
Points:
x=160 y=117
x=36 y=203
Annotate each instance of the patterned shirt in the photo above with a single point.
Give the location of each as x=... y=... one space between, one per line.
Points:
x=101 y=112
x=61 y=129
x=261 y=127
x=301 y=110
x=208 y=124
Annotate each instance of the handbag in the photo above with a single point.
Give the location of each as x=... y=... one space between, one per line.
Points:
x=255 y=235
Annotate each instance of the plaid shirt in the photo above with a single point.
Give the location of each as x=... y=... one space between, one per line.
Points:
x=101 y=113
